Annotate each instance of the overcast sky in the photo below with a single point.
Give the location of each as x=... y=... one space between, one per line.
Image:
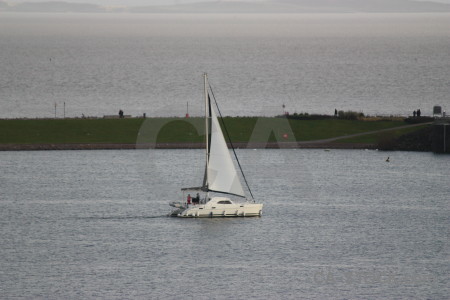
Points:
x=150 y=2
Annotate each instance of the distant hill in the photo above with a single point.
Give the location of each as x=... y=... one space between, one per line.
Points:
x=300 y=6
x=370 y=5
x=224 y=6
x=52 y=6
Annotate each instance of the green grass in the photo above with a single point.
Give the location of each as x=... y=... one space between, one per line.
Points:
x=174 y=130
x=70 y=131
x=243 y=129
x=180 y=130
x=323 y=129
x=382 y=136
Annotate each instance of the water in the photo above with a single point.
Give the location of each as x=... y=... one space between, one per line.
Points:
x=337 y=224
x=99 y=63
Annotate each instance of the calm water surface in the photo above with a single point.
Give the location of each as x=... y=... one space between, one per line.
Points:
x=336 y=225
x=99 y=63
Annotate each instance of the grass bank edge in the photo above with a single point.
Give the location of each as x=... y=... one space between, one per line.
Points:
x=178 y=130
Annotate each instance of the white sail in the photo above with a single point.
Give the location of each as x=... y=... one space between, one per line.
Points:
x=222 y=176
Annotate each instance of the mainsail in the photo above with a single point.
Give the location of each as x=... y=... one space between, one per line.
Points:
x=221 y=176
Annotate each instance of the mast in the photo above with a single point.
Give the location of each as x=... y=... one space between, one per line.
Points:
x=207 y=116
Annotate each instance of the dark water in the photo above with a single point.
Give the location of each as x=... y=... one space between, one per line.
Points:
x=97 y=64
x=336 y=225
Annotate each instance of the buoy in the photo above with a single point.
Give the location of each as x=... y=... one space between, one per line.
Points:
x=387 y=159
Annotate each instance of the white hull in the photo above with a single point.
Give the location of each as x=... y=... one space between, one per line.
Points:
x=219 y=207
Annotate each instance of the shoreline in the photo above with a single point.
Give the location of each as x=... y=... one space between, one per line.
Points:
x=285 y=145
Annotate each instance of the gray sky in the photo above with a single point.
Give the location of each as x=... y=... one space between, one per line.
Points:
x=151 y=2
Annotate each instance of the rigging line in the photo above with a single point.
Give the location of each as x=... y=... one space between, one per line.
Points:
x=231 y=143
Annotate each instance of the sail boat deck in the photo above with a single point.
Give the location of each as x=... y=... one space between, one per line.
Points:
x=220 y=207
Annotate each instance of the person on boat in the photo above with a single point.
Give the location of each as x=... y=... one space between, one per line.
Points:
x=196 y=200
x=189 y=198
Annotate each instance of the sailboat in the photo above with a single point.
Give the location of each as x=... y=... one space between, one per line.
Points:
x=220 y=180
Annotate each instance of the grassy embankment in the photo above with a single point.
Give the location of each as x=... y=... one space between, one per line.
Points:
x=179 y=130
x=382 y=137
